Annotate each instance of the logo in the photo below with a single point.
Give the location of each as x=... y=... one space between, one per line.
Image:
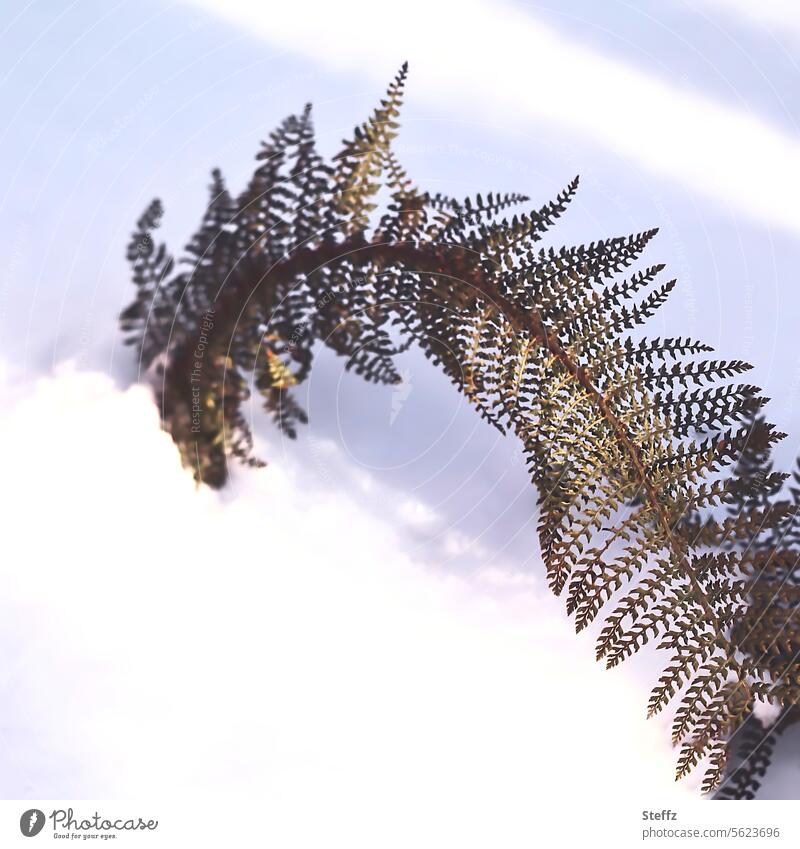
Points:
x=65 y=824
x=31 y=822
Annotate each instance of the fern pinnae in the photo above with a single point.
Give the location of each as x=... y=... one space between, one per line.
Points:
x=537 y=339
x=594 y=584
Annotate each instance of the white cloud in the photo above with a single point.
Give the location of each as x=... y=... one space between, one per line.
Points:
x=496 y=63
x=276 y=642
x=415 y=513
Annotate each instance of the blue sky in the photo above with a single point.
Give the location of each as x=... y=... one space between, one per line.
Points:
x=679 y=115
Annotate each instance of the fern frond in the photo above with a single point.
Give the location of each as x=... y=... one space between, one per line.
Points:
x=146 y=320
x=632 y=445
x=362 y=159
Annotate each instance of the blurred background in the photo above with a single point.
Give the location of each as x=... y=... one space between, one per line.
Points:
x=201 y=640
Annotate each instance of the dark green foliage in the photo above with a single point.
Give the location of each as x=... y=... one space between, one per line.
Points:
x=632 y=444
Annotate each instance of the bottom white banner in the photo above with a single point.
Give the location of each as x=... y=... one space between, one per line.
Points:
x=268 y=822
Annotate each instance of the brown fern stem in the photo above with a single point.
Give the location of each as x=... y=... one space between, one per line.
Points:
x=459 y=264
x=530 y=321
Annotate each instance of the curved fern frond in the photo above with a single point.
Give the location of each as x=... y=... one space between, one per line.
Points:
x=631 y=443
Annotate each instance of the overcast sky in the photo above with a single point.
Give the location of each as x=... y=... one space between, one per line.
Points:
x=681 y=115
